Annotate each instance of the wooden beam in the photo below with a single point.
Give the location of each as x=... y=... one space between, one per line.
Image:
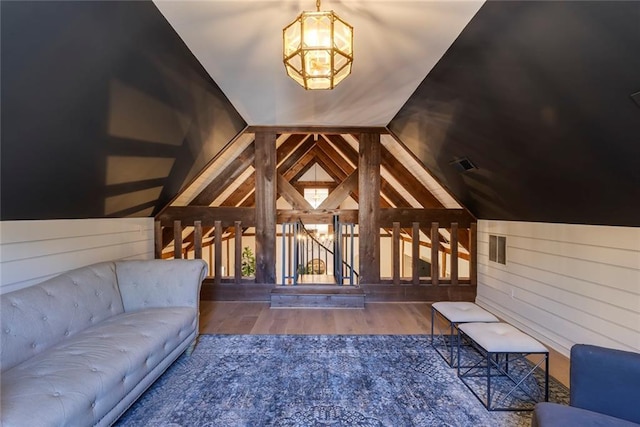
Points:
x=325 y=130
x=333 y=171
x=423 y=195
x=369 y=207
x=288 y=146
x=317 y=216
x=226 y=177
x=337 y=196
x=407 y=216
x=208 y=215
x=293 y=158
x=435 y=244
x=387 y=190
x=339 y=158
x=299 y=168
x=265 y=207
x=301 y=185
x=242 y=193
x=409 y=181
x=243 y=196
x=228 y=215
x=329 y=164
x=291 y=195
x=343 y=147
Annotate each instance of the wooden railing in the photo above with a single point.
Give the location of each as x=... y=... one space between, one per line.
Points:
x=404 y=225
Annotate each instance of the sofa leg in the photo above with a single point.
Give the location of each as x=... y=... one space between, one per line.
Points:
x=191 y=347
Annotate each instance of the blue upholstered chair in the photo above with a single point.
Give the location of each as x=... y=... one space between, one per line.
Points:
x=605 y=391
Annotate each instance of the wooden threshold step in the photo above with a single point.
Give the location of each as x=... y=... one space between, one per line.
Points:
x=317 y=296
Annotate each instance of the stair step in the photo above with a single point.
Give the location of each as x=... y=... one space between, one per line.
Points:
x=317 y=296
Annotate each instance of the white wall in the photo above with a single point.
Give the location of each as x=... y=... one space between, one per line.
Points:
x=564 y=284
x=32 y=251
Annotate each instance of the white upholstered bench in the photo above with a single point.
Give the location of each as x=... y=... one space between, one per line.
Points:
x=454 y=313
x=500 y=371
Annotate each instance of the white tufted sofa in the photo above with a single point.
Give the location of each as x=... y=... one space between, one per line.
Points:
x=80 y=348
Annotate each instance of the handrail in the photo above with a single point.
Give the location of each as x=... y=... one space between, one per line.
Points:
x=350 y=267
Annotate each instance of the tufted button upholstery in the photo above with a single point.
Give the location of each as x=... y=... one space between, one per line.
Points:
x=502 y=338
x=171 y=284
x=60 y=307
x=73 y=353
x=131 y=345
x=462 y=312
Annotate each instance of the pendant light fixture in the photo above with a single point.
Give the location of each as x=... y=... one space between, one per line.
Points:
x=318 y=49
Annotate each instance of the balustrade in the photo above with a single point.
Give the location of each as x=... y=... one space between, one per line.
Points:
x=445 y=246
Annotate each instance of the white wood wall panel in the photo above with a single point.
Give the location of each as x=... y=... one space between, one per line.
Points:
x=33 y=251
x=564 y=284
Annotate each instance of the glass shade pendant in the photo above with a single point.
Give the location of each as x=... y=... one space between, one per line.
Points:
x=318 y=49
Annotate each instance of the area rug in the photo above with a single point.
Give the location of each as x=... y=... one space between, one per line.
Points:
x=316 y=380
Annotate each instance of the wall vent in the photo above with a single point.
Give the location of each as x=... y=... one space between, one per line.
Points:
x=636 y=98
x=463 y=165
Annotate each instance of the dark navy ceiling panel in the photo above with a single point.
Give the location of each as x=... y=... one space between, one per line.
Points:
x=537 y=95
x=105 y=111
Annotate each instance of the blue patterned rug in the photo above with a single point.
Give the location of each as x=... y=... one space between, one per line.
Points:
x=315 y=380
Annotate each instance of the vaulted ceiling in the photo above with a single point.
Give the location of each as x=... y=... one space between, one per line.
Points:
x=309 y=161
x=111 y=108
x=396 y=43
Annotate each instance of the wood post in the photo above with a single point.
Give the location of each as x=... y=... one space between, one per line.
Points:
x=396 y=253
x=217 y=241
x=177 y=239
x=435 y=246
x=197 y=239
x=369 y=207
x=237 y=229
x=473 y=254
x=266 y=178
x=415 y=253
x=210 y=261
x=454 y=253
x=157 y=233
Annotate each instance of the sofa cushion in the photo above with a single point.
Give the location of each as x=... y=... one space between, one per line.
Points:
x=606 y=380
x=158 y=283
x=37 y=317
x=555 y=415
x=82 y=378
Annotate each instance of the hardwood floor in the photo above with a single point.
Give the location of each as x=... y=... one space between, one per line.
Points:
x=376 y=318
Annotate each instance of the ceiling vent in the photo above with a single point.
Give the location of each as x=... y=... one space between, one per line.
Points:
x=463 y=165
x=636 y=98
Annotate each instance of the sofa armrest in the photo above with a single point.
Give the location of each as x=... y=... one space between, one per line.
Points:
x=606 y=380
x=160 y=283
x=554 y=415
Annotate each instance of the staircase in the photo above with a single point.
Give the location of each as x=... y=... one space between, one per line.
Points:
x=317 y=268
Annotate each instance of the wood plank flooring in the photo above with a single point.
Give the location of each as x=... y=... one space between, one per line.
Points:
x=217 y=317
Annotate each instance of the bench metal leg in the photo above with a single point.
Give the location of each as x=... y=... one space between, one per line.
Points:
x=519 y=381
